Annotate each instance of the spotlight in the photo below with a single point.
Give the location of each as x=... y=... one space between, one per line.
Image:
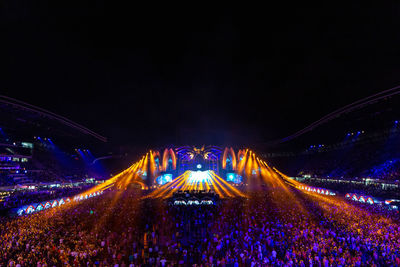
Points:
x=199 y=176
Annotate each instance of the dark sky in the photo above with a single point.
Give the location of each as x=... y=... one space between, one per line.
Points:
x=196 y=74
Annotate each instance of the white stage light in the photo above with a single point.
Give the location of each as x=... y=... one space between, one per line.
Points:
x=199 y=177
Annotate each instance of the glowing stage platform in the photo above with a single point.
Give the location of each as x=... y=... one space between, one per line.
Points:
x=209 y=168
x=197 y=180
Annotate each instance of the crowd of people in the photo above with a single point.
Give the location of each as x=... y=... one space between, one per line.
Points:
x=272 y=227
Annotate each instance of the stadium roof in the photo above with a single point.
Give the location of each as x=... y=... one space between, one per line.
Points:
x=22 y=117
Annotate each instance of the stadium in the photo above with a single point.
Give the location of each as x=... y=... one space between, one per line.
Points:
x=211 y=137
x=49 y=171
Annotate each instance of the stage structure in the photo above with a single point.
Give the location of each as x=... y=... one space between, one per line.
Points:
x=188 y=168
x=191 y=176
x=176 y=161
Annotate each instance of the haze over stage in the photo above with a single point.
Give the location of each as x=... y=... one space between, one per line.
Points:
x=191 y=168
x=181 y=136
x=198 y=180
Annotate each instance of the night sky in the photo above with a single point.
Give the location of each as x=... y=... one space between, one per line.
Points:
x=196 y=74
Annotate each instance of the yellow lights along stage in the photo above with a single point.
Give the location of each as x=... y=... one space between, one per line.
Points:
x=197 y=180
x=167 y=155
x=134 y=174
x=229 y=152
x=151 y=165
x=257 y=174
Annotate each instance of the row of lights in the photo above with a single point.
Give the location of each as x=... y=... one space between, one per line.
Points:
x=349 y=134
x=78 y=149
x=317 y=146
x=361 y=132
x=355 y=133
x=39 y=138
